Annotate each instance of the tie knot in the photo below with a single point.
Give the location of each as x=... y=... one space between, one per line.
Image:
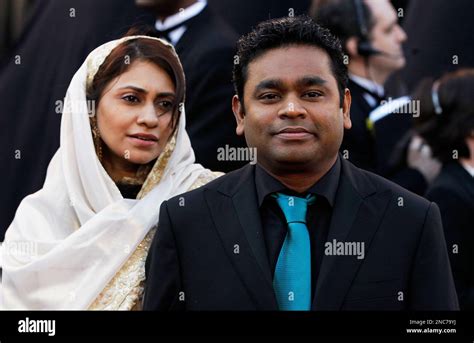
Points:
x=293 y=207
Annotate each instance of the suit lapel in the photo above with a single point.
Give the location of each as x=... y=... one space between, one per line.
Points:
x=356 y=216
x=236 y=216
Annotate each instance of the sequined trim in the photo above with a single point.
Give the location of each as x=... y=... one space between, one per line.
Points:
x=125 y=290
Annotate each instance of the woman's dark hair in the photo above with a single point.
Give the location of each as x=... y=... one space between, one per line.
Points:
x=446 y=132
x=140 y=49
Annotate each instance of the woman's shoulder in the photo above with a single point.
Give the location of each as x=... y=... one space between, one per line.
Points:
x=452 y=177
x=205 y=177
x=451 y=186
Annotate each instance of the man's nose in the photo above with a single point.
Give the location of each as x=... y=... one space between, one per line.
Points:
x=292 y=109
x=402 y=36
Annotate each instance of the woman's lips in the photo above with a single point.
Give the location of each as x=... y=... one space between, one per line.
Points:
x=142 y=142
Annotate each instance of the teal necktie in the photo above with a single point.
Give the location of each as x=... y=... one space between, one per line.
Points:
x=292 y=279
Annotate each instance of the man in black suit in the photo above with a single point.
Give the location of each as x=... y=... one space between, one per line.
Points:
x=303 y=229
x=372 y=41
x=206 y=46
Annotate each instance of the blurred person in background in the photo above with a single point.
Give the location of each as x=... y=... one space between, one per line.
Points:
x=372 y=40
x=440 y=32
x=446 y=124
x=14 y=14
x=205 y=44
x=243 y=15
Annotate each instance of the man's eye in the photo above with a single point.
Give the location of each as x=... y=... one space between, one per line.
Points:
x=130 y=98
x=269 y=96
x=312 y=94
x=389 y=29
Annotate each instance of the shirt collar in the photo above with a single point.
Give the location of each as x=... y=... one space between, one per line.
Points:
x=181 y=16
x=325 y=187
x=368 y=84
x=468 y=168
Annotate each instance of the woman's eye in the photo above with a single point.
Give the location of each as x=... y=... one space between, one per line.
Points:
x=130 y=98
x=166 y=104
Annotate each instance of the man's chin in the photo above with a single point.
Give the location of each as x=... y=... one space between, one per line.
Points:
x=293 y=160
x=400 y=63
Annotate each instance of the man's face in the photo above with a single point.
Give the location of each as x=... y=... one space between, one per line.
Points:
x=291 y=112
x=386 y=36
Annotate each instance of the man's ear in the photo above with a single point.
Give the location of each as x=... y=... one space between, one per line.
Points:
x=346 y=109
x=239 y=114
x=351 y=46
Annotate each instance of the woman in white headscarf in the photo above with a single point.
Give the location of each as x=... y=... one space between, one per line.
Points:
x=82 y=240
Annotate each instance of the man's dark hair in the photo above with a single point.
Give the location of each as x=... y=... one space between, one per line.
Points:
x=340 y=17
x=283 y=32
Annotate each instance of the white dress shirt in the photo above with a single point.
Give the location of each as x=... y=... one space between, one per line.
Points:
x=370 y=86
x=180 y=17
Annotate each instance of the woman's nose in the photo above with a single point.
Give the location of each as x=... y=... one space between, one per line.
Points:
x=148 y=116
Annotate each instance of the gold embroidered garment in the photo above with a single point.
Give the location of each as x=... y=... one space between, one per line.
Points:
x=125 y=290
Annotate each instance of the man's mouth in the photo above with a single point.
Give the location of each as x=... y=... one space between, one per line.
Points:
x=293 y=129
x=294 y=133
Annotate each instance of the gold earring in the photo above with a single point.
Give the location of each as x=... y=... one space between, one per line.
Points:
x=96 y=138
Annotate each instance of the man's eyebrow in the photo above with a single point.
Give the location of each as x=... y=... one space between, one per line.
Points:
x=308 y=81
x=391 y=25
x=269 y=84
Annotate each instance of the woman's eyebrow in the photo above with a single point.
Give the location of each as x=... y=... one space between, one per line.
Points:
x=135 y=88
x=163 y=94
x=144 y=91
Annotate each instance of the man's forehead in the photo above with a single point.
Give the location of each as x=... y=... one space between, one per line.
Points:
x=383 y=11
x=291 y=51
x=293 y=62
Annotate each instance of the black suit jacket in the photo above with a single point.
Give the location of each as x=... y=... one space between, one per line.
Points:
x=207 y=50
x=453 y=191
x=375 y=149
x=358 y=140
x=209 y=253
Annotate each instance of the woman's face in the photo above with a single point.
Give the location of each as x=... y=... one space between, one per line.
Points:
x=134 y=116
